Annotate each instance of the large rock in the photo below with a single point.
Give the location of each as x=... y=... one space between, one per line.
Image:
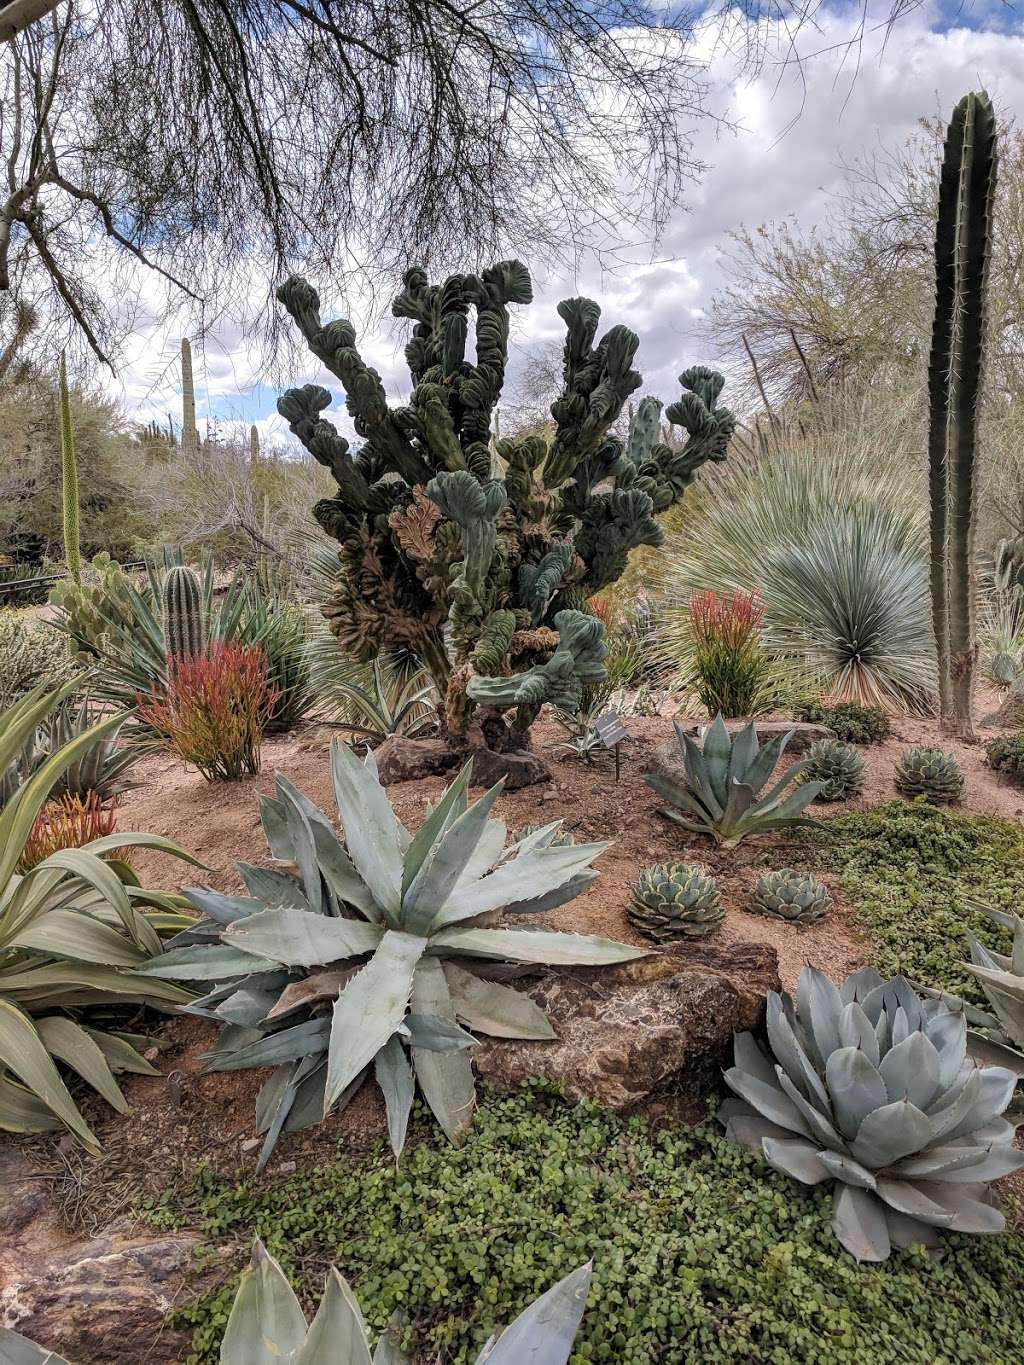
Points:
x=93 y=1301
x=661 y=1024
x=404 y=760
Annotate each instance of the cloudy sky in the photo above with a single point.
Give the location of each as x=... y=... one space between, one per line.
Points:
x=791 y=132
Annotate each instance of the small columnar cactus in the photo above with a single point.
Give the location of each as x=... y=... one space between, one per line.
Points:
x=838 y=767
x=931 y=773
x=675 y=900
x=184 y=631
x=791 y=895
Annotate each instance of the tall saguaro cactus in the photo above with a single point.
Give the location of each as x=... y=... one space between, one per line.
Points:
x=962 y=241
x=189 y=430
x=69 y=478
x=482 y=568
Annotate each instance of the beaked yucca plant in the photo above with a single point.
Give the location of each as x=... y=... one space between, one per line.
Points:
x=675 y=900
x=790 y=895
x=375 y=951
x=838 y=767
x=931 y=773
x=266 y=1326
x=869 y=1086
x=967 y=183
x=724 y=778
x=479 y=568
x=73 y=932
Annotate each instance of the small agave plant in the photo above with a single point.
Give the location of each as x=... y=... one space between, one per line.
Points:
x=724 y=781
x=372 y=954
x=869 y=1086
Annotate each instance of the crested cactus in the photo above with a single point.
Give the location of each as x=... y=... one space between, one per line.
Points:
x=962 y=248
x=69 y=479
x=184 y=629
x=484 y=577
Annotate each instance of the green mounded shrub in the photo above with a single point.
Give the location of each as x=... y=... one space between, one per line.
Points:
x=909 y=871
x=1006 y=755
x=32 y=654
x=701 y=1251
x=849 y=721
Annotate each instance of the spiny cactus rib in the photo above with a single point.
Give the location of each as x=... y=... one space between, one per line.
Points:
x=184 y=629
x=962 y=241
x=476 y=553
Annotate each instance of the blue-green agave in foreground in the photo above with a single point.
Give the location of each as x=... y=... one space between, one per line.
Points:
x=724 y=781
x=268 y=1327
x=373 y=953
x=869 y=1086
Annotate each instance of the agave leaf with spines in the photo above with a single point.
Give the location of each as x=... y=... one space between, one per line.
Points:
x=869 y=1086
x=723 y=790
x=368 y=953
x=73 y=932
x=480 y=568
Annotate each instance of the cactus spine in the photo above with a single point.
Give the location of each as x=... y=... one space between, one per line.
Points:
x=69 y=478
x=962 y=240
x=184 y=631
x=189 y=430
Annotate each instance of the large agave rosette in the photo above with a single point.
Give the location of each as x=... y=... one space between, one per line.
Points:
x=870 y=1086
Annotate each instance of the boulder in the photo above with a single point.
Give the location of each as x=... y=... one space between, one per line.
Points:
x=404 y=760
x=661 y=1024
x=92 y=1300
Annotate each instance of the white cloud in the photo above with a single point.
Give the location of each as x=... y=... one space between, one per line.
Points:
x=793 y=128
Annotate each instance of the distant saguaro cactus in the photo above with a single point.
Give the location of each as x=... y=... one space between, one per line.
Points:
x=962 y=242
x=69 y=478
x=482 y=567
x=184 y=627
x=254 y=444
x=189 y=430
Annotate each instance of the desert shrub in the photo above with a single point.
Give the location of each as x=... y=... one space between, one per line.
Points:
x=1006 y=755
x=215 y=709
x=909 y=871
x=701 y=1251
x=849 y=721
x=32 y=654
x=729 y=668
x=28 y=594
x=71 y=822
x=833 y=547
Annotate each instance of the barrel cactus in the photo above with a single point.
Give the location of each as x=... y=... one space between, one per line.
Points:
x=184 y=629
x=838 y=767
x=675 y=900
x=482 y=567
x=791 y=895
x=931 y=773
x=869 y=1086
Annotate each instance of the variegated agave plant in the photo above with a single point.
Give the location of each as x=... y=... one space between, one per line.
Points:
x=374 y=952
x=267 y=1326
x=870 y=1086
x=722 y=793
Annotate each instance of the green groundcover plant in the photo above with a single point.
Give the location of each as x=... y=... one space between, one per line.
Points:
x=701 y=1252
x=911 y=872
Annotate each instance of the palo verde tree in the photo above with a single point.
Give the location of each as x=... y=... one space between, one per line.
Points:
x=482 y=568
x=962 y=240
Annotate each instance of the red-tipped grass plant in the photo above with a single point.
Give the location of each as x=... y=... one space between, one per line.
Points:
x=729 y=666
x=71 y=822
x=215 y=709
